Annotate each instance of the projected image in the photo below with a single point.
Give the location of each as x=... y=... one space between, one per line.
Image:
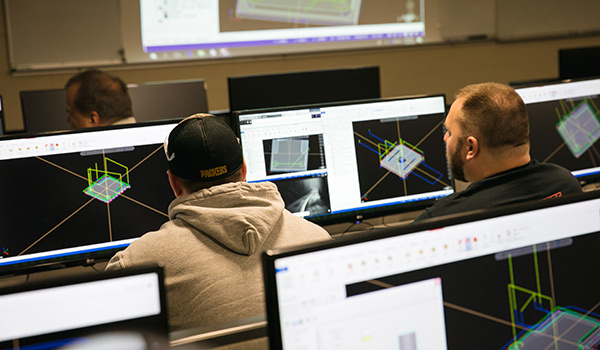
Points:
x=294 y=154
x=565 y=132
x=536 y=297
x=344 y=12
x=242 y=15
x=399 y=157
x=305 y=196
x=74 y=199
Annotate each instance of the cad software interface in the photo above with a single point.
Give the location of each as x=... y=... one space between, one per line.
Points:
x=525 y=281
x=81 y=191
x=344 y=158
x=565 y=124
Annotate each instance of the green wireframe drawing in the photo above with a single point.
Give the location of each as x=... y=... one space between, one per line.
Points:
x=558 y=328
x=106 y=185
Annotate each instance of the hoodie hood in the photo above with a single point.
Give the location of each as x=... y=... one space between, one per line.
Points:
x=238 y=215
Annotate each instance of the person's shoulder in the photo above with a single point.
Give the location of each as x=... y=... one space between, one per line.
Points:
x=557 y=170
x=549 y=167
x=306 y=227
x=468 y=199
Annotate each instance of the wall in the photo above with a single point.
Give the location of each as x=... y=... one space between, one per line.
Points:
x=404 y=71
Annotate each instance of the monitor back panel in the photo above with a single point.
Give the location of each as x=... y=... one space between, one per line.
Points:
x=168 y=100
x=299 y=88
x=577 y=63
x=45 y=110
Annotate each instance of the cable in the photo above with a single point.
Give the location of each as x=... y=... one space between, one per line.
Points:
x=369 y=226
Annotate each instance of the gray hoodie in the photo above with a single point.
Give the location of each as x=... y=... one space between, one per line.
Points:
x=211 y=251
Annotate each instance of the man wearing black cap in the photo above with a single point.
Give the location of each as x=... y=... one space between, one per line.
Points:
x=219 y=226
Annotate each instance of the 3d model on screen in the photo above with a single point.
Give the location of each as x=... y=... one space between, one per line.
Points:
x=400 y=158
x=542 y=324
x=579 y=128
x=289 y=154
x=106 y=185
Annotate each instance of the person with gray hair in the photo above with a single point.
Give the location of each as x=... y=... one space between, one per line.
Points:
x=487 y=144
x=218 y=227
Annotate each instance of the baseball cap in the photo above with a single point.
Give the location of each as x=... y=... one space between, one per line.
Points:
x=203 y=148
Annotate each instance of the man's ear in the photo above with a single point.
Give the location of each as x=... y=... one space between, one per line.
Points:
x=472 y=147
x=94 y=118
x=178 y=190
x=244 y=171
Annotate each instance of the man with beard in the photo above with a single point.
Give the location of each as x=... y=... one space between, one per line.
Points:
x=487 y=144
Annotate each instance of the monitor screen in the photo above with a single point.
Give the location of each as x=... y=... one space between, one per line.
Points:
x=520 y=277
x=348 y=161
x=46 y=110
x=124 y=309
x=79 y=196
x=565 y=125
x=300 y=88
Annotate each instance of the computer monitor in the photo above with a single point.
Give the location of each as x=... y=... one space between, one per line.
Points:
x=300 y=88
x=45 y=110
x=578 y=63
x=77 y=197
x=350 y=160
x=168 y=99
x=124 y=309
x=565 y=125
x=518 y=277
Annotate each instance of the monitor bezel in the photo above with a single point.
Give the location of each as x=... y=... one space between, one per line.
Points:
x=271 y=255
x=361 y=214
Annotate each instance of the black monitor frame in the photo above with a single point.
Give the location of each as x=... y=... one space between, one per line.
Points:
x=303 y=88
x=270 y=257
x=370 y=211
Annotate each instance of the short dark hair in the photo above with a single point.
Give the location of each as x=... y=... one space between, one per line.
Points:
x=495 y=113
x=101 y=92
